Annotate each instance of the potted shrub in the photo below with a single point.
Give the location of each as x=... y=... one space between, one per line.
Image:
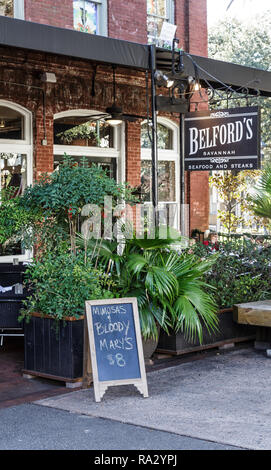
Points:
x=241 y=273
x=54 y=313
x=168 y=285
x=61 y=279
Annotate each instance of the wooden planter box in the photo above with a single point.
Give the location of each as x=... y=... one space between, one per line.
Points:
x=229 y=332
x=51 y=353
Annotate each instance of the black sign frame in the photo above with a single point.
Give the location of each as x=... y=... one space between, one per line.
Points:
x=101 y=384
x=204 y=127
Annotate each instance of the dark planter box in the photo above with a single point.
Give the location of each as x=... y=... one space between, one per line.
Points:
x=9 y=312
x=229 y=332
x=11 y=303
x=11 y=274
x=52 y=353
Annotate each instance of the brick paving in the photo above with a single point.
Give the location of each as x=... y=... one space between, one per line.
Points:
x=14 y=388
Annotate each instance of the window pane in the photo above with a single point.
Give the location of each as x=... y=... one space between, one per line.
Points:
x=7 y=8
x=156 y=15
x=74 y=131
x=156 y=7
x=106 y=163
x=164 y=137
x=166 y=181
x=146 y=180
x=85 y=16
x=13 y=180
x=11 y=124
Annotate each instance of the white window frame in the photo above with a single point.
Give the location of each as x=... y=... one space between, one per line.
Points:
x=102 y=16
x=170 y=13
x=168 y=155
x=117 y=151
x=18 y=9
x=24 y=147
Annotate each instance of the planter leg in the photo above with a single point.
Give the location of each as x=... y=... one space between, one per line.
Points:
x=73 y=384
x=226 y=346
x=28 y=376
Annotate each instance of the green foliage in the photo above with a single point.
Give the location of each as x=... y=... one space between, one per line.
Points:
x=16 y=222
x=233 y=190
x=82 y=131
x=246 y=44
x=241 y=271
x=67 y=190
x=60 y=284
x=261 y=195
x=64 y=193
x=168 y=285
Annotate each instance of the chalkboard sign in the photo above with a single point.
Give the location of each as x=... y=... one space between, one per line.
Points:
x=115 y=345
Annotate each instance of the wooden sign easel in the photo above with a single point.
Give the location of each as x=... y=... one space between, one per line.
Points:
x=115 y=345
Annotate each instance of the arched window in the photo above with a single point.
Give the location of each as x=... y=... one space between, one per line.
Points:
x=15 y=163
x=77 y=135
x=168 y=166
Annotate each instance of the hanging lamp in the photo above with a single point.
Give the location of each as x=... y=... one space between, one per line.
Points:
x=114 y=110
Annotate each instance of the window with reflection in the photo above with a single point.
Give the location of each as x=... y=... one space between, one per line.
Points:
x=85 y=16
x=164 y=137
x=13 y=173
x=168 y=169
x=13 y=181
x=158 y=11
x=90 y=16
x=7 y=8
x=75 y=131
x=166 y=181
x=11 y=124
x=106 y=163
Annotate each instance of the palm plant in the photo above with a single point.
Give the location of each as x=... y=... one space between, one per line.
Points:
x=261 y=195
x=168 y=285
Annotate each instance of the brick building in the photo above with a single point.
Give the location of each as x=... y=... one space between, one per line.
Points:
x=47 y=93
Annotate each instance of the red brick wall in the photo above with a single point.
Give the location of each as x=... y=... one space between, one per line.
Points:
x=128 y=20
x=133 y=157
x=52 y=12
x=191 y=20
x=72 y=91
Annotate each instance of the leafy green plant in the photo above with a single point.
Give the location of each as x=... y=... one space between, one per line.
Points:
x=168 y=285
x=60 y=284
x=241 y=271
x=63 y=194
x=261 y=195
x=82 y=131
x=16 y=223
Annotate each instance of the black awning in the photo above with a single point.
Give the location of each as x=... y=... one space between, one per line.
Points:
x=43 y=38
x=217 y=72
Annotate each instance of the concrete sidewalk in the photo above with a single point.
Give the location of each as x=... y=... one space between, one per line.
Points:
x=223 y=398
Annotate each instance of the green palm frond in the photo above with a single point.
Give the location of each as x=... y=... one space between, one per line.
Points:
x=193 y=309
x=168 y=285
x=261 y=196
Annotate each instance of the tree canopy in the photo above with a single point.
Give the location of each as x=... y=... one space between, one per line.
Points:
x=246 y=44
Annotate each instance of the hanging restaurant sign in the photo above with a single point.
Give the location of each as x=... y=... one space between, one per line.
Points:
x=226 y=139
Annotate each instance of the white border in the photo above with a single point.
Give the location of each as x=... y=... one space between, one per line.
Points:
x=24 y=147
x=168 y=155
x=101 y=387
x=117 y=151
